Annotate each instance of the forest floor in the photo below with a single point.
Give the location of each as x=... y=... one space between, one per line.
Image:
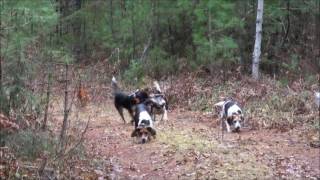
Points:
x=188 y=146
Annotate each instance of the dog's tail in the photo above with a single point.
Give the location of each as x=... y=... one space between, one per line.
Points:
x=157 y=86
x=114 y=85
x=220 y=104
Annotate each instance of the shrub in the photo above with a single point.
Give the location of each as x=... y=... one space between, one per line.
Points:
x=135 y=72
x=4 y=103
x=30 y=144
x=159 y=63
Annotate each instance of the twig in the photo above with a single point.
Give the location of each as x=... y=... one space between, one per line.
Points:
x=76 y=145
x=35 y=167
x=42 y=166
x=221 y=124
x=146 y=47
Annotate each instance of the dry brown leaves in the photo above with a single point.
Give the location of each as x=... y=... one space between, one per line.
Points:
x=7 y=125
x=185 y=90
x=8 y=163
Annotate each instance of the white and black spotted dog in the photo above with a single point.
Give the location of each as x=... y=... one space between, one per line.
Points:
x=144 y=129
x=231 y=114
x=158 y=103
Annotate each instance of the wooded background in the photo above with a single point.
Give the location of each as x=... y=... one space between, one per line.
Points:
x=155 y=38
x=57 y=58
x=159 y=36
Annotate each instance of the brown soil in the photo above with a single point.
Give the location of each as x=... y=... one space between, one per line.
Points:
x=188 y=146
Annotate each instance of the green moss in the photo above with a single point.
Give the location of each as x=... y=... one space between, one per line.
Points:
x=184 y=140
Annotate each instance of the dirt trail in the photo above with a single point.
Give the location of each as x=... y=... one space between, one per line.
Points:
x=188 y=147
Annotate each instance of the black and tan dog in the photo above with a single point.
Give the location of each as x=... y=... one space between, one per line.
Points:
x=143 y=124
x=122 y=100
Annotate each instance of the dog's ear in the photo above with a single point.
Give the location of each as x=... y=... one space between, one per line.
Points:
x=146 y=90
x=230 y=119
x=136 y=100
x=152 y=131
x=135 y=133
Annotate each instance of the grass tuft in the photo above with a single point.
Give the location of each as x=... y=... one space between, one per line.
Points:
x=184 y=140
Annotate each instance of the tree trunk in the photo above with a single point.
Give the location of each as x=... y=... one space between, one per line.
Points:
x=0 y=51
x=133 y=33
x=210 y=33
x=123 y=7
x=156 y=23
x=44 y=125
x=66 y=112
x=77 y=33
x=111 y=17
x=257 y=43
x=0 y=67
x=288 y=25
x=171 y=37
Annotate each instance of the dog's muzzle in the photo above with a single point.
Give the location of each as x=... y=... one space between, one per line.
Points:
x=157 y=106
x=158 y=101
x=237 y=126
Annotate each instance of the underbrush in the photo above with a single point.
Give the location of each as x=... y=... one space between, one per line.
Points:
x=26 y=152
x=159 y=64
x=29 y=145
x=283 y=112
x=135 y=73
x=266 y=104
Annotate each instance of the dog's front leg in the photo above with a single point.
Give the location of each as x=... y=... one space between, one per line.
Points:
x=154 y=117
x=165 y=114
x=227 y=126
x=153 y=114
x=132 y=116
x=120 y=110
